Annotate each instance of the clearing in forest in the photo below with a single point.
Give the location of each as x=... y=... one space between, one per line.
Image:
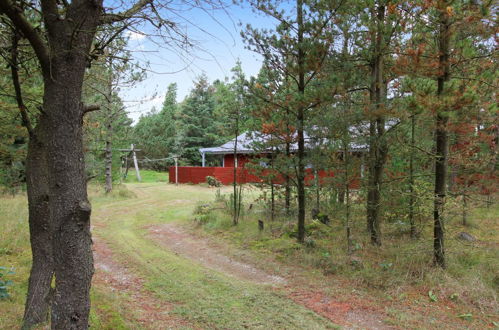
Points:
x=166 y=275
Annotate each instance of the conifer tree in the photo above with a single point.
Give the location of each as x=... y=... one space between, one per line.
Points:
x=196 y=119
x=295 y=52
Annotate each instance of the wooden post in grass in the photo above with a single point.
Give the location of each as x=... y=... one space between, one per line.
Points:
x=136 y=163
x=176 y=169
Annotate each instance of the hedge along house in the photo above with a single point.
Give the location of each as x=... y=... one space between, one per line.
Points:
x=253 y=147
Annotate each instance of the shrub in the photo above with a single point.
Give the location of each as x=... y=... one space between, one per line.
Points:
x=202 y=208
x=4 y=294
x=212 y=181
x=219 y=197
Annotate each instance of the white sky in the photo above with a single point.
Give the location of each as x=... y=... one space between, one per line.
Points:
x=217 y=34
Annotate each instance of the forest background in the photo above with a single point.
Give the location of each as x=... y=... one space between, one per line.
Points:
x=415 y=82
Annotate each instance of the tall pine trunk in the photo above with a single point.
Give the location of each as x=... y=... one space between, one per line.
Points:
x=377 y=144
x=235 y=218
x=287 y=184
x=300 y=129
x=412 y=197
x=109 y=134
x=441 y=139
x=71 y=241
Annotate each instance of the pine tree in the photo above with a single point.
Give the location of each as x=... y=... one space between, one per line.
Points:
x=196 y=119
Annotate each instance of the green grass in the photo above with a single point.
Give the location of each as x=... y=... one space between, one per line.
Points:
x=15 y=253
x=396 y=277
x=204 y=297
x=147 y=176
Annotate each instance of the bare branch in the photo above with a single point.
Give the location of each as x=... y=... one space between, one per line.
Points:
x=90 y=108
x=113 y=18
x=17 y=85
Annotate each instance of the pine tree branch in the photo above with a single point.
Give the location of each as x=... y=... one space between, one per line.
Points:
x=17 y=85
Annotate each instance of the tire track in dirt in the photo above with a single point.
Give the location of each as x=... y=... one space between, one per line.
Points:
x=350 y=315
x=205 y=254
x=149 y=312
x=146 y=310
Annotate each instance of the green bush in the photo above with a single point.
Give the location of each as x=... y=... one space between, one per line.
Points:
x=213 y=182
x=4 y=283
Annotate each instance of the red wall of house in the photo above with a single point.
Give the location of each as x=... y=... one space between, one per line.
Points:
x=195 y=175
x=241 y=160
x=223 y=174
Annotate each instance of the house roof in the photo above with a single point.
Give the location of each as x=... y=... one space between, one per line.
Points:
x=246 y=143
x=254 y=141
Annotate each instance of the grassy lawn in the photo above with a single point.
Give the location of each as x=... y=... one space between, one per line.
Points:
x=146 y=176
x=206 y=298
x=396 y=279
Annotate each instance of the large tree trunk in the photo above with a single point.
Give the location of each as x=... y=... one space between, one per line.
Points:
x=441 y=139
x=377 y=144
x=70 y=41
x=38 y=299
x=377 y=154
x=71 y=239
x=42 y=269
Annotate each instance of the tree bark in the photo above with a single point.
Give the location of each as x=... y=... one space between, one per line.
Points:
x=235 y=217
x=287 y=188
x=377 y=144
x=71 y=239
x=109 y=134
x=346 y=168
x=441 y=139
x=300 y=129
x=42 y=268
x=38 y=299
x=412 y=197
x=69 y=41
x=287 y=184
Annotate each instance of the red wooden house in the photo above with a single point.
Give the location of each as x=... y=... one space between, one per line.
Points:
x=248 y=150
